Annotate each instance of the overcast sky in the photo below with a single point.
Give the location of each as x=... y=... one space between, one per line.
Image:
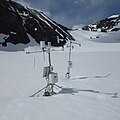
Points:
x=73 y=12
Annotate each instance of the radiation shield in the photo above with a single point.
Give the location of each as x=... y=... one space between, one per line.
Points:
x=53 y=78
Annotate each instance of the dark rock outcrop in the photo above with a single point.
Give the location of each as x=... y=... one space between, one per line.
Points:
x=18 y=22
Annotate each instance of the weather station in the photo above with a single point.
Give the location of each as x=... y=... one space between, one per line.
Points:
x=50 y=76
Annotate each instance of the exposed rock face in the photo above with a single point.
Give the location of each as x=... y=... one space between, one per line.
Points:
x=106 y=25
x=17 y=22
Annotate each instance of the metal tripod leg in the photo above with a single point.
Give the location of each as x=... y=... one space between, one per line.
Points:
x=57 y=85
x=39 y=91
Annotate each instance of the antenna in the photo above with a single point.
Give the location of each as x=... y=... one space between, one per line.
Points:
x=70 y=63
x=50 y=76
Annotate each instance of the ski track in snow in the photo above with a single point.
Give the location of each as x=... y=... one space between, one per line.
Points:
x=91 y=93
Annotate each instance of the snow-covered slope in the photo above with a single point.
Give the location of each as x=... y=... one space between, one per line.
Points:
x=92 y=93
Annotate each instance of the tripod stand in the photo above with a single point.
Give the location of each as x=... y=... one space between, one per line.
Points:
x=47 y=93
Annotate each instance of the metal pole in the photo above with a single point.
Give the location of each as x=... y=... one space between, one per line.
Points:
x=49 y=57
x=69 y=60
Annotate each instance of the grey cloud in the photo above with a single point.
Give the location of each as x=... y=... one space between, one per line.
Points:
x=71 y=12
x=23 y=2
x=90 y=2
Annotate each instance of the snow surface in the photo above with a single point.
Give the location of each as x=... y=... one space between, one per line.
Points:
x=92 y=93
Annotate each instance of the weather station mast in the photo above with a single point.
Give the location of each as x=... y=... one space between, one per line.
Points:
x=70 y=63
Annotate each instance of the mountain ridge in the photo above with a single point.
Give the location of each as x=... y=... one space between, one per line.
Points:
x=108 y=24
x=18 y=21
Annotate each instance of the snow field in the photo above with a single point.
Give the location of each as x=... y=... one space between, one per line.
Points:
x=91 y=93
x=20 y=79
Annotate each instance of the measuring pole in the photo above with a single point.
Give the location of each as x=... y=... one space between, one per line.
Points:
x=69 y=60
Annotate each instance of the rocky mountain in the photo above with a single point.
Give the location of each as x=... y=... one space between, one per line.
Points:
x=111 y=23
x=17 y=23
